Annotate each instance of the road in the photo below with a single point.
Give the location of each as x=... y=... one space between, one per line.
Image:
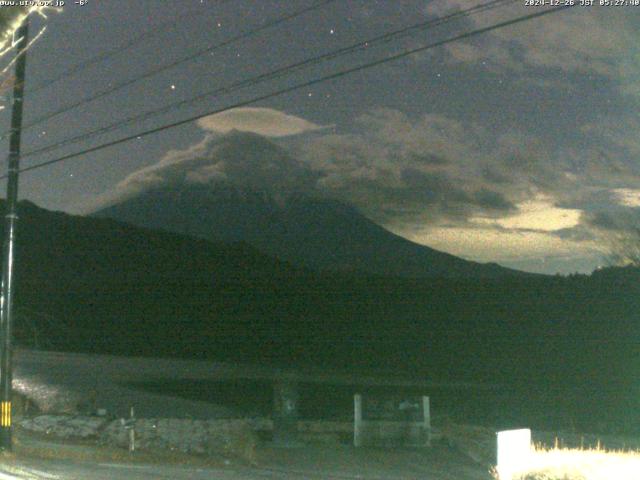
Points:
x=58 y=470
x=313 y=463
x=70 y=471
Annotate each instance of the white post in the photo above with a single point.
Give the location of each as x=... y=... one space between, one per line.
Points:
x=132 y=432
x=357 y=420
x=426 y=411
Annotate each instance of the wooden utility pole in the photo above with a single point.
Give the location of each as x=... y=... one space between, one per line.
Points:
x=11 y=217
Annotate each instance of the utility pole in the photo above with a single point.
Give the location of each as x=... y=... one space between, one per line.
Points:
x=11 y=217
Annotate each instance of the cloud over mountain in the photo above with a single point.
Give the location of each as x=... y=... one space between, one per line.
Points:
x=428 y=169
x=429 y=178
x=432 y=178
x=263 y=121
x=245 y=160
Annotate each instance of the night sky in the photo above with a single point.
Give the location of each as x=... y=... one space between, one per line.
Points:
x=519 y=146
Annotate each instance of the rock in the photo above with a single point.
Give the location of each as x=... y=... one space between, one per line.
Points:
x=65 y=426
x=229 y=438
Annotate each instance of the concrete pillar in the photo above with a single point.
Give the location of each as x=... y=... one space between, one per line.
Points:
x=357 y=420
x=426 y=412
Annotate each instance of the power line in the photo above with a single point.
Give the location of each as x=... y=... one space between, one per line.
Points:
x=279 y=92
x=299 y=86
x=101 y=57
x=279 y=72
x=155 y=71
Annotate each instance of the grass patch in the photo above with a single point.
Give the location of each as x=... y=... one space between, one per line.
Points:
x=579 y=464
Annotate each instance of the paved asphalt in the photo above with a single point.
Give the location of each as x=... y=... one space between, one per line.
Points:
x=311 y=462
x=108 y=471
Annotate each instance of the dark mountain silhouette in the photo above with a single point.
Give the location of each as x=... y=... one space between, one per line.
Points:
x=257 y=203
x=562 y=346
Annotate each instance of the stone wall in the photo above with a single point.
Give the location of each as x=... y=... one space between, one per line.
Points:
x=228 y=438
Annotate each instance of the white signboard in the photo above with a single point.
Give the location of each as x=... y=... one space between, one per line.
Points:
x=514 y=452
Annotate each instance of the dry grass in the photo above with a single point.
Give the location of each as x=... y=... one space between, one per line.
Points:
x=579 y=464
